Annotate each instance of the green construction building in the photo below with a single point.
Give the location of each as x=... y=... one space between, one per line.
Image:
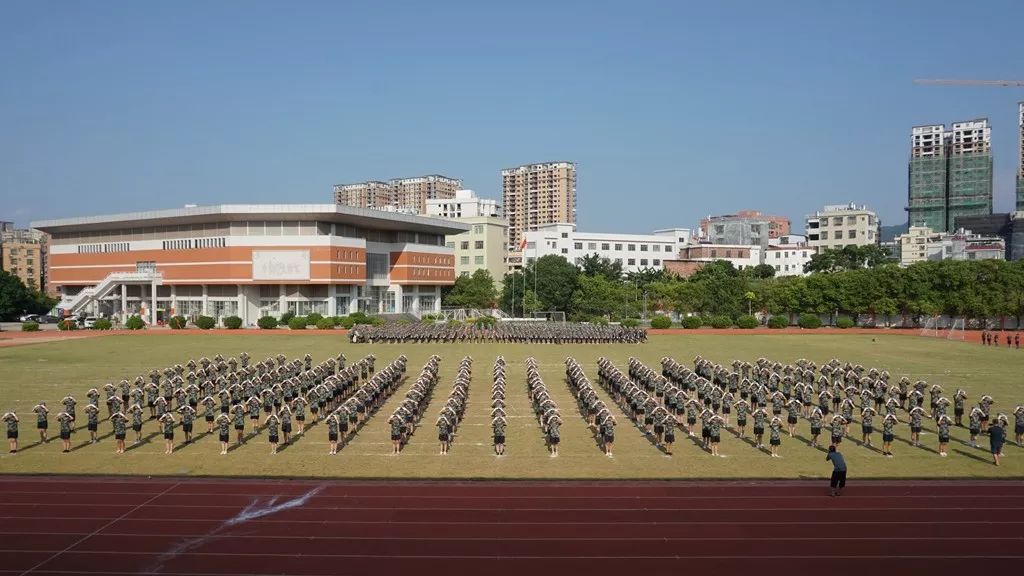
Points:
x=1020 y=157
x=949 y=174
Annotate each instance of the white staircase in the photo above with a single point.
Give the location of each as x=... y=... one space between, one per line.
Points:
x=73 y=304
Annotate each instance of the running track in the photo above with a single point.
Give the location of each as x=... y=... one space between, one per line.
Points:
x=51 y=525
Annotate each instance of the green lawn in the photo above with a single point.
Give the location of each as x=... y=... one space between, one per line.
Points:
x=48 y=371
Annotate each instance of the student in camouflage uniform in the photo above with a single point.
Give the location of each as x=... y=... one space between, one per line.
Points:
x=867 y=420
x=223 y=423
x=188 y=416
x=92 y=421
x=888 y=425
x=272 y=423
x=760 y=419
x=742 y=408
x=817 y=419
x=775 y=439
x=167 y=425
x=916 y=424
x=120 y=423
x=837 y=424
x=209 y=412
x=1018 y=423
x=943 y=423
x=135 y=412
x=66 y=423
x=974 y=425
x=11 y=419
x=42 y=421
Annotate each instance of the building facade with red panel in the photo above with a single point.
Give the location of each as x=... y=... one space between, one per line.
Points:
x=250 y=261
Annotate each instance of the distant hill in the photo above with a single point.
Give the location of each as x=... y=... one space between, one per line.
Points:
x=889 y=233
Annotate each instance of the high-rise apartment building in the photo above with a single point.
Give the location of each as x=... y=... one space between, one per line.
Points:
x=23 y=254
x=950 y=173
x=535 y=195
x=1020 y=158
x=408 y=195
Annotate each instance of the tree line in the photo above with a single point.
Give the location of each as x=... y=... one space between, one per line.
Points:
x=16 y=298
x=847 y=282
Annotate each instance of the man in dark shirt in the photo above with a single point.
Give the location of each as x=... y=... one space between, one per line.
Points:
x=838 y=481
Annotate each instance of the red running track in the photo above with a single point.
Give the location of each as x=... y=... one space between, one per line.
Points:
x=53 y=525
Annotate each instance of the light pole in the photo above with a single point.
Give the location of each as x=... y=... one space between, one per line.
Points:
x=644 y=317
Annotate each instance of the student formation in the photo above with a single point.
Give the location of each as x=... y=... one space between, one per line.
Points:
x=279 y=396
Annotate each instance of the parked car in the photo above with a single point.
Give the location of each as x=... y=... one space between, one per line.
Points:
x=89 y=321
x=29 y=318
x=47 y=319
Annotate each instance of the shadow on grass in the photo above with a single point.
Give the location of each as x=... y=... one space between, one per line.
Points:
x=972 y=456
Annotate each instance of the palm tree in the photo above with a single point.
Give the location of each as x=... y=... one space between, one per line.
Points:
x=750 y=297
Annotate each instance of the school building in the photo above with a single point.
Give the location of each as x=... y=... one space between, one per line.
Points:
x=250 y=261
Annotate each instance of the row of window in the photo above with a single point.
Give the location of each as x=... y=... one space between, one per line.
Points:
x=348 y=255
x=195 y=243
x=430 y=273
x=850 y=234
x=478 y=260
x=417 y=259
x=785 y=254
x=101 y=248
x=464 y=245
x=629 y=247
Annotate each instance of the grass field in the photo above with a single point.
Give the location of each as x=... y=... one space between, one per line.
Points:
x=48 y=371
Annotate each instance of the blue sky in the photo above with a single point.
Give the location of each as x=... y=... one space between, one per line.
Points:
x=672 y=109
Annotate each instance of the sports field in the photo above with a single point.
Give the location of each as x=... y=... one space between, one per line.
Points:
x=48 y=371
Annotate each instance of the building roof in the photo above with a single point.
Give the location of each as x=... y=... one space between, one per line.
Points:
x=337 y=213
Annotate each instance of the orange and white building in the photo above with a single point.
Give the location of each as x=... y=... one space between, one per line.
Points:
x=250 y=261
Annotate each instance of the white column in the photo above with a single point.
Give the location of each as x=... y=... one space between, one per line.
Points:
x=437 y=299
x=243 y=306
x=124 y=302
x=174 y=300
x=332 y=305
x=280 y=302
x=353 y=293
x=152 y=307
x=206 y=301
x=398 y=298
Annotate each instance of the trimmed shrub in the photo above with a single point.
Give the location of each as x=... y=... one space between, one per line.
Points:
x=205 y=322
x=721 y=322
x=359 y=318
x=630 y=322
x=267 y=322
x=661 y=322
x=177 y=322
x=705 y=320
x=286 y=317
x=778 y=322
x=325 y=324
x=336 y=320
x=134 y=323
x=30 y=326
x=232 y=322
x=347 y=322
x=102 y=324
x=313 y=318
x=747 y=322
x=375 y=321
x=68 y=324
x=809 y=321
x=297 y=323
x=691 y=322
x=844 y=323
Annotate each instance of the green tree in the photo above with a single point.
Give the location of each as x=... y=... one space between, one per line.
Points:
x=763 y=271
x=15 y=298
x=553 y=279
x=475 y=290
x=595 y=265
x=599 y=296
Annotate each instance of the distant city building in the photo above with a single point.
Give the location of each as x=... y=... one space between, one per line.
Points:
x=740 y=227
x=1009 y=227
x=950 y=173
x=789 y=259
x=841 y=225
x=634 y=251
x=23 y=253
x=695 y=256
x=402 y=195
x=535 y=195
x=465 y=204
x=481 y=247
x=921 y=243
x=1020 y=157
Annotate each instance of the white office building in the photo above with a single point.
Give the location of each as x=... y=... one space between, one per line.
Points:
x=465 y=204
x=789 y=259
x=634 y=251
x=842 y=225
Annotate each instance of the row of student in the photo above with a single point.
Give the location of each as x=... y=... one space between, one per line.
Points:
x=599 y=418
x=455 y=406
x=498 y=420
x=407 y=415
x=544 y=407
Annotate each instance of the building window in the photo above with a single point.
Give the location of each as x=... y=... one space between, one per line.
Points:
x=478 y=260
x=531 y=245
x=565 y=250
x=450 y=244
x=714 y=253
x=728 y=253
x=604 y=246
x=851 y=234
x=478 y=228
x=643 y=261
x=464 y=260
x=824 y=234
x=618 y=260
x=656 y=247
x=592 y=246
x=643 y=247
x=778 y=268
x=778 y=255
x=631 y=247
x=631 y=262
x=837 y=221
x=479 y=244
x=565 y=234
x=618 y=247
x=656 y=262
x=578 y=245
x=464 y=245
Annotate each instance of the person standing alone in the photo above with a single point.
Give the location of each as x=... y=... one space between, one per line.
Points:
x=838 y=481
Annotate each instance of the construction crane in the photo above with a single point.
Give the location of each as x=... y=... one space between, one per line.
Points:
x=1006 y=83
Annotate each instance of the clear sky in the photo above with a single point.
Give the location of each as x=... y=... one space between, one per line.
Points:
x=672 y=109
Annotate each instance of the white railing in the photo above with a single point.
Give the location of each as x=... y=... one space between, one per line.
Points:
x=71 y=304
